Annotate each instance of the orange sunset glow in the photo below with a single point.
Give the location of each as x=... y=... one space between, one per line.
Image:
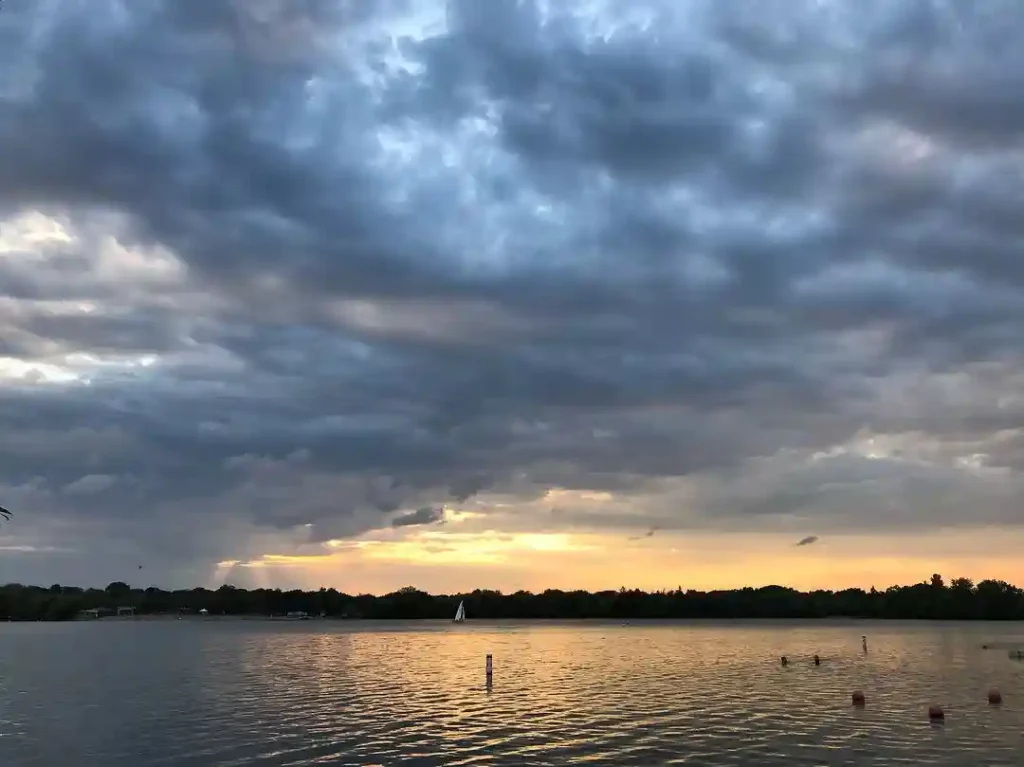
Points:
x=448 y=560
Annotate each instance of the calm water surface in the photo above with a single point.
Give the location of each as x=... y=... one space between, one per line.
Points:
x=119 y=694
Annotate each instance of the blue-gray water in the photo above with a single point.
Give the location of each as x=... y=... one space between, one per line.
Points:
x=113 y=694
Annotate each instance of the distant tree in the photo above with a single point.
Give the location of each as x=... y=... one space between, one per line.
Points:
x=118 y=589
x=989 y=600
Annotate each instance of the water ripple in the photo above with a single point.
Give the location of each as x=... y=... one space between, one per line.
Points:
x=240 y=693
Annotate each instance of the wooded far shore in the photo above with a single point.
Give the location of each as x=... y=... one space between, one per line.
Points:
x=934 y=599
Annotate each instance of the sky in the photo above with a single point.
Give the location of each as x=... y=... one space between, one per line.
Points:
x=513 y=295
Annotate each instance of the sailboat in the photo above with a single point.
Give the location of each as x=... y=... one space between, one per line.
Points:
x=460 y=614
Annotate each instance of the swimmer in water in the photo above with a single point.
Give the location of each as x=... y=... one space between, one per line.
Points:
x=785 y=661
x=817 y=661
x=864 y=643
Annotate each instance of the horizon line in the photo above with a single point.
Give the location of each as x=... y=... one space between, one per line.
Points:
x=930 y=582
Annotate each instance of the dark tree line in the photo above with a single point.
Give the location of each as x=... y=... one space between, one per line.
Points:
x=933 y=599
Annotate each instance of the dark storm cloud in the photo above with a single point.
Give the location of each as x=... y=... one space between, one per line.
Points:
x=312 y=264
x=427 y=515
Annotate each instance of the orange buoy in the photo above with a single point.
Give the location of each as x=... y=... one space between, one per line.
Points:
x=858 y=698
x=995 y=697
x=935 y=713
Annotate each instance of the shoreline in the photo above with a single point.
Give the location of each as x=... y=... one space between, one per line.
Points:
x=256 y=617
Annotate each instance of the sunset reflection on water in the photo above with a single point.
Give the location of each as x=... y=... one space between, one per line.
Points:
x=360 y=693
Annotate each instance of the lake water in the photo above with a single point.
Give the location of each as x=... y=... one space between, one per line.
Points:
x=221 y=692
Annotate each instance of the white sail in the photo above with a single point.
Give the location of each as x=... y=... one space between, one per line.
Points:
x=460 y=614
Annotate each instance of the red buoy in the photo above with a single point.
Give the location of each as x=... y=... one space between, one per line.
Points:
x=935 y=713
x=858 y=698
x=995 y=697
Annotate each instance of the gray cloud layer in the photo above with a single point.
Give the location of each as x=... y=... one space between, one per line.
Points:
x=426 y=515
x=318 y=264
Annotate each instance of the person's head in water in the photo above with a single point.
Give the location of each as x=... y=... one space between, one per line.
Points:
x=785 y=661
x=817 y=661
